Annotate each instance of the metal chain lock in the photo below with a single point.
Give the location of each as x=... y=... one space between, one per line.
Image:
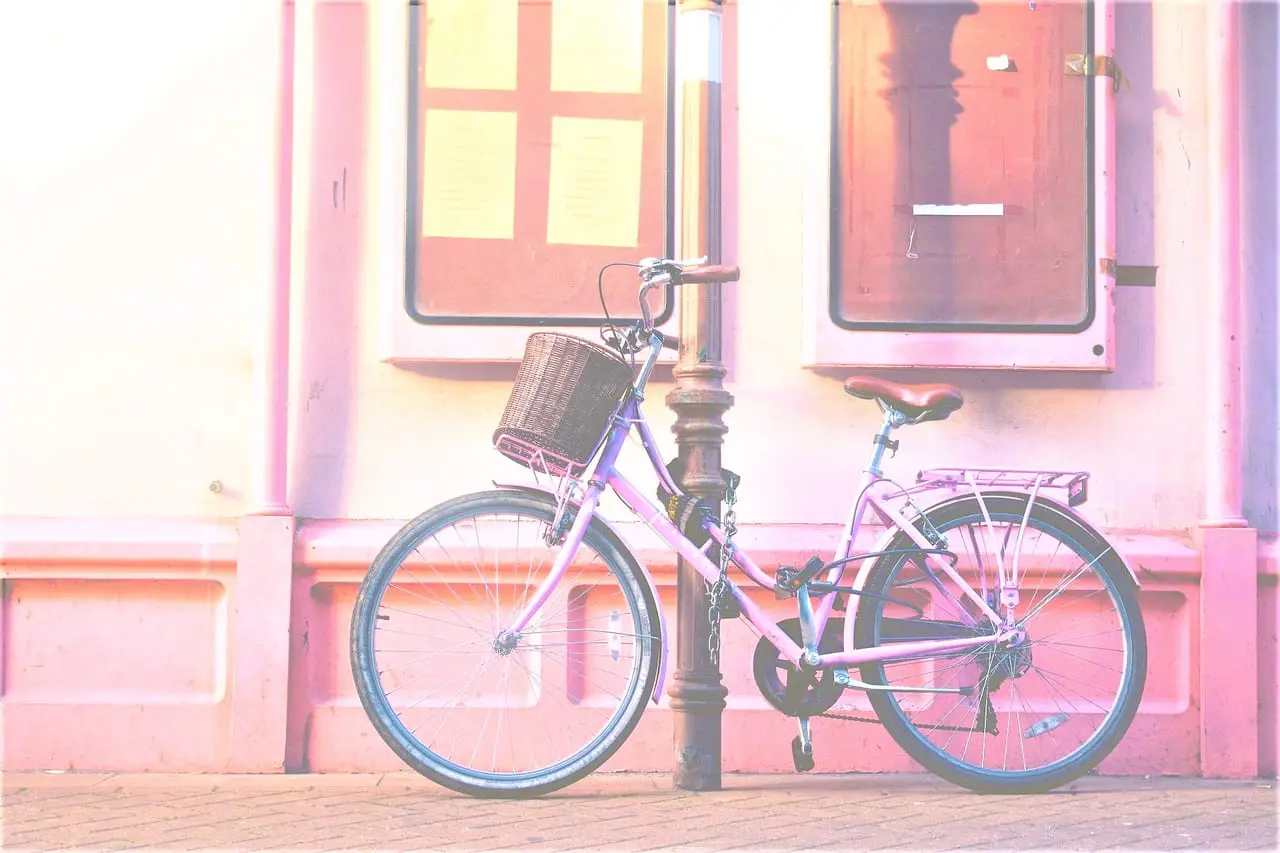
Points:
x=716 y=591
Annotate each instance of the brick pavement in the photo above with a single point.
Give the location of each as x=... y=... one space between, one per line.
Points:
x=402 y=811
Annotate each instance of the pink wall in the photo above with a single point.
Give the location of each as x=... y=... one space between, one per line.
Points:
x=141 y=236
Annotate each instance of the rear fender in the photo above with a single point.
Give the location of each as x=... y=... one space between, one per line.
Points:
x=1057 y=507
x=1062 y=509
x=618 y=542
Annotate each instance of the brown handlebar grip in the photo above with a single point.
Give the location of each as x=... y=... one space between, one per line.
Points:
x=709 y=274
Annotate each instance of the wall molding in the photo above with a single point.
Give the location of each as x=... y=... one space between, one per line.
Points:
x=44 y=543
x=28 y=542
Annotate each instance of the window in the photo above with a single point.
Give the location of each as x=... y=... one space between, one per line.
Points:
x=962 y=218
x=536 y=150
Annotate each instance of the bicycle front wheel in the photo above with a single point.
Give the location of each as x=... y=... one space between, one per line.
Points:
x=474 y=706
x=1026 y=717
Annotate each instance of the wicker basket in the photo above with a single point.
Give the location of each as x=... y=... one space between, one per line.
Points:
x=561 y=401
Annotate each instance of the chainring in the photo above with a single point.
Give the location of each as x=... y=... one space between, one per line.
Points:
x=773 y=672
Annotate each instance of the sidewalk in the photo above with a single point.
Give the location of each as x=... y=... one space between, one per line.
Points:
x=402 y=811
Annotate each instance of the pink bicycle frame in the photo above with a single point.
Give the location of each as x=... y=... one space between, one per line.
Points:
x=604 y=475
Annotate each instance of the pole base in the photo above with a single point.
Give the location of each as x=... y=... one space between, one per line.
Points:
x=697 y=769
x=697 y=700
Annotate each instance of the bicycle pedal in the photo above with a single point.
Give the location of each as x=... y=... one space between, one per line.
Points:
x=801 y=755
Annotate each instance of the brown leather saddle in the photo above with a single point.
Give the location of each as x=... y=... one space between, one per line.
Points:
x=918 y=402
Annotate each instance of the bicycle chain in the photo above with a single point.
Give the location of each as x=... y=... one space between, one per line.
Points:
x=831 y=715
x=852 y=719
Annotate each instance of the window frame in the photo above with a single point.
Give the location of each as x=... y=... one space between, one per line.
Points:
x=829 y=341
x=405 y=336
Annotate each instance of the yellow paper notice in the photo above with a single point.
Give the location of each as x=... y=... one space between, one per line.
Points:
x=596 y=45
x=469 y=174
x=471 y=44
x=595 y=182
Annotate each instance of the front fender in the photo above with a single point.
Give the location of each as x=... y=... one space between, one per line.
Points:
x=621 y=544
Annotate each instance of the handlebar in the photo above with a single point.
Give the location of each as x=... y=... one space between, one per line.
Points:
x=709 y=274
x=658 y=272
x=694 y=271
x=655 y=273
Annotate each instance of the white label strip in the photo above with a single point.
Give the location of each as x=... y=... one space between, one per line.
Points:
x=958 y=209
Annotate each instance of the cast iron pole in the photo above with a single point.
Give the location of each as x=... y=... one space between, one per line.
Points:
x=698 y=398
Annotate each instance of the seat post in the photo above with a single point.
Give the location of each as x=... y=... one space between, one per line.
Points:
x=892 y=418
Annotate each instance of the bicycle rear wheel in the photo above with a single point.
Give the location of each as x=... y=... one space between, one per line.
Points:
x=1032 y=716
x=479 y=711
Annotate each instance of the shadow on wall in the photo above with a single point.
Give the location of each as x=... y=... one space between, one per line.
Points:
x=327 y=360
x=1136 y=108
x=920 y=60
x=1137 y=104
x=1260 y=191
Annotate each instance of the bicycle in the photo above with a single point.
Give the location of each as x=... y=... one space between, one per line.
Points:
x=965 y=633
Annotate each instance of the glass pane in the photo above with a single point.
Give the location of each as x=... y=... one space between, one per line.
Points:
x=962 y=166
x=539 y=153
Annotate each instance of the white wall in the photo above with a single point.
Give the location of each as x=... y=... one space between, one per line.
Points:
x=136 y=234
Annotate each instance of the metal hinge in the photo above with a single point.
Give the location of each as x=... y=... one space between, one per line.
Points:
x=1078 y=65
x=1127 y=275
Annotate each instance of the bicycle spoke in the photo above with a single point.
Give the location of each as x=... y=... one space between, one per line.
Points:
x=1018 y=728
x=398 y=631
x=477 y=631
x=433 y=618
x=416 y=660
x=1061 y=587
x=1084 y=659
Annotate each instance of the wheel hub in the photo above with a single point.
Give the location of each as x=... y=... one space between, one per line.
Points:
x=1010 y=660
x=506 y=642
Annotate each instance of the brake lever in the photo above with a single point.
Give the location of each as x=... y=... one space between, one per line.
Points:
x=649 y=266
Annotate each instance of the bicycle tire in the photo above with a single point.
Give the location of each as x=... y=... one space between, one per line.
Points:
x=1068 y=530
x=618 y=559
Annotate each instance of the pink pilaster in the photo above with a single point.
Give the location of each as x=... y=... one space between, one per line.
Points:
x=259 y=639
x=259 y=653
x=1229 y=548
x=1223 y=471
